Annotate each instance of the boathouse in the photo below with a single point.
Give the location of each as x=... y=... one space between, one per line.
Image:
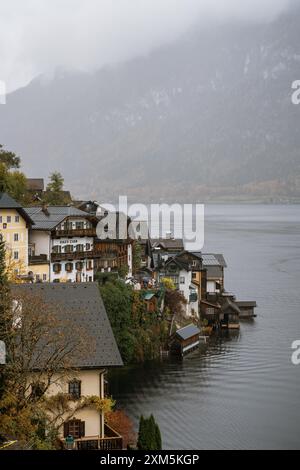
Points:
x=185 y=340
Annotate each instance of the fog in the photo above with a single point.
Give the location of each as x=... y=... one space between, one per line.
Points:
x=37 y=36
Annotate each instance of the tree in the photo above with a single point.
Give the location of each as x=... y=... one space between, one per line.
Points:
x=168 y=283
x=136 y=256
x=55 y=194
x=56 y=183
x=120 y=422
x=175 y=302
x=9 y=159
x=43 y=347
x=149 y=437
x=4 y=305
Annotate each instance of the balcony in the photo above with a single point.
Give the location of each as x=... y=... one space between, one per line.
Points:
x=74 y=255
x=78 y=232
x=40 y=259
x=111 y=441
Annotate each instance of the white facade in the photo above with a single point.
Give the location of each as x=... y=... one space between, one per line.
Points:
x=185 y=285
x=212 y=287
x=40 y=242
x=75 y=269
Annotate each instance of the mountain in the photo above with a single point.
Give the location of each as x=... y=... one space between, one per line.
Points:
x=208 y=117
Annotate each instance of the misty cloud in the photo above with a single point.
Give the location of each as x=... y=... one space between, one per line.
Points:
x=36 y=36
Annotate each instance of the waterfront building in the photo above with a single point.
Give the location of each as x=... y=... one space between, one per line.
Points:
x=81 y=304
x=61 y=244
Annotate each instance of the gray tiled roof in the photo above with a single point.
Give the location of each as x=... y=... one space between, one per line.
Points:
x=7 y=202
x=168 y=243
x=213 y=260
x=54 y=216
x=188 y=332
x=86 y=301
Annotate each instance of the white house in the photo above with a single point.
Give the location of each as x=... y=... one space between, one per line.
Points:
x=61 y=244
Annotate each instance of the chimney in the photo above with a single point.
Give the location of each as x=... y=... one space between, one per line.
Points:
x=45 y=209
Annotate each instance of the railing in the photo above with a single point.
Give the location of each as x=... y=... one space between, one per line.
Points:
x=77 y=232
x=74 y=255
x=111 y=441
x=40 y=259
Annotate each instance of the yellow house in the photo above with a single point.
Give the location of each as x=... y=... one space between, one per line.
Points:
x=14 y=227
x=81 y=304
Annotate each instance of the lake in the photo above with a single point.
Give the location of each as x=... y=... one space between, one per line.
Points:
x=240 y=391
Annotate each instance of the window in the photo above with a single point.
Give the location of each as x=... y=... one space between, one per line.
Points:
x=56 y=249
x=17 y=219
x=37 y=389
x=8 y=219
x=182 y=280
x=16 y=255
x=194 y=275
x=79 y=248
x=88 y=246
x=79 y=225
x=56 y=268
x=194 y=263
x=79 y=266
x=89 y=265
x=44 y=277
x=0 y=219
x=69 y=249
x=16 y=237
x=4 y=226
x=75 y=389
x=75 y=428
x=69 y=267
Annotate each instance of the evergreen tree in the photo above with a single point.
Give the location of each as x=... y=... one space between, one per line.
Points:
x=149 y=437
x=4 y=305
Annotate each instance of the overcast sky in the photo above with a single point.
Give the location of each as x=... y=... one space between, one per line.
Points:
x=36 y=36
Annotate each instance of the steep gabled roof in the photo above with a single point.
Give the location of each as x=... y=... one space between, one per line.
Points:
x=187 y=332
x=212 y=259
x=7 y=202
x=168 y=243
x=86 y=301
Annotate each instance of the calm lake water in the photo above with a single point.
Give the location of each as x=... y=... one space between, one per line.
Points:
x=241 y=391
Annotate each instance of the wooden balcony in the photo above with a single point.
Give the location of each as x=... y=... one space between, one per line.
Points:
x=75 y=256
x=82 y=232
x=36 y=260
x=111 y=441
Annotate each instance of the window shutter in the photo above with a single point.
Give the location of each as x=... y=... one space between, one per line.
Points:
x=79 y=388
x=66 y=429
x=82 y=428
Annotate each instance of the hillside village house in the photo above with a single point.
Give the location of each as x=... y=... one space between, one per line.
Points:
x=61 y=244
x=181 y=269
x=214 y=265
x=15 y=224
x=87 y=426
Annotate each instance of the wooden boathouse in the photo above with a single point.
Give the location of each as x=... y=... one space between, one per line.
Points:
x=185 y=340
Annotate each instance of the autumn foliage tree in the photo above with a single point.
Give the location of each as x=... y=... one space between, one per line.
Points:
x=43 y=347
x=120 y=422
